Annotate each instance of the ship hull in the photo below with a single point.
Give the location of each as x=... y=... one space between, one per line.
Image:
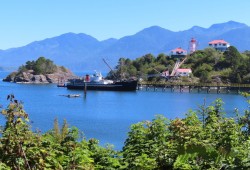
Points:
x=117 y=86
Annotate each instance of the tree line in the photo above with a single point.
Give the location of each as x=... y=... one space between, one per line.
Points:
x=207 y=65
x=203 y=139
x=40 y=66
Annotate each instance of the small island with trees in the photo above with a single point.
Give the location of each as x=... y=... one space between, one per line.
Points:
x=40 y=71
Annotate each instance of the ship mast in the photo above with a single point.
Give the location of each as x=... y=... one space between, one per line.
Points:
x=109 y=67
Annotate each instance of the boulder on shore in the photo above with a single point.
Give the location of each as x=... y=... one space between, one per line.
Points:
x=29 y=77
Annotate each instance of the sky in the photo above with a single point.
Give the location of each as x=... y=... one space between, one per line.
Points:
x=22 y=22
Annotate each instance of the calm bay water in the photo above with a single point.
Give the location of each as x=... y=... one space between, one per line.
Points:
x=106 y=116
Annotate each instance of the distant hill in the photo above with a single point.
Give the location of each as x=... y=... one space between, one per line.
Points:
x=81 y=52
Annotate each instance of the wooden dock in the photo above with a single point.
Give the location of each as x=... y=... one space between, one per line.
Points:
x=192 y=87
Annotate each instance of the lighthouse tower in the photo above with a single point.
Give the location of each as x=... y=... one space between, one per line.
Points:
x=192 y=45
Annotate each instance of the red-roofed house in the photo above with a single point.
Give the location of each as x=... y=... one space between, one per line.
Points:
x=183 y=72
x=178 y=52
x=219 y=45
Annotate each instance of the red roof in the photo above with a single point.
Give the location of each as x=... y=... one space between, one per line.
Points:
x=183 y=70
x=218 y=42
x=179 y=50
x=193 y=40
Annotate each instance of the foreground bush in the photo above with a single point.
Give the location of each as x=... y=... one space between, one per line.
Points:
x=206 y=139
x=60 y=148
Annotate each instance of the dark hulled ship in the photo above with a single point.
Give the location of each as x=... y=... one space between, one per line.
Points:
x=97 y=82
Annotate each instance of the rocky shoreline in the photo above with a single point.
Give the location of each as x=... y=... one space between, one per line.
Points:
x=28 y=77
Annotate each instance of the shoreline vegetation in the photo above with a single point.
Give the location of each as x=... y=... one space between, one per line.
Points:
x=208 y=66
x=41 y=71
x=203 y=139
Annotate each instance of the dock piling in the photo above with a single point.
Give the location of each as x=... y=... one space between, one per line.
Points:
x=190 y=89
x=208 y=89
x=85 y=89
x=172 y=88
x=219 y=88
x=199 y=89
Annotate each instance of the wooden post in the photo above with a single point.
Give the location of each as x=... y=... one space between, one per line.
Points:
x=190 y=89
x=172 y=88
x=218 y=89
x=208 y=89
x=181 y=89
x=85 y=89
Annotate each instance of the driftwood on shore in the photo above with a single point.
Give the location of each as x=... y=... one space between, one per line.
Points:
x=70 y=95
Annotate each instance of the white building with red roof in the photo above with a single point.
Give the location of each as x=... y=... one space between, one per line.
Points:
x=219 y=45
x=178 y=52
x=183 y=72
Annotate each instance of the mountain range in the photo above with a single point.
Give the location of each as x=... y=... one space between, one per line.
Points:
x=81 y=52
